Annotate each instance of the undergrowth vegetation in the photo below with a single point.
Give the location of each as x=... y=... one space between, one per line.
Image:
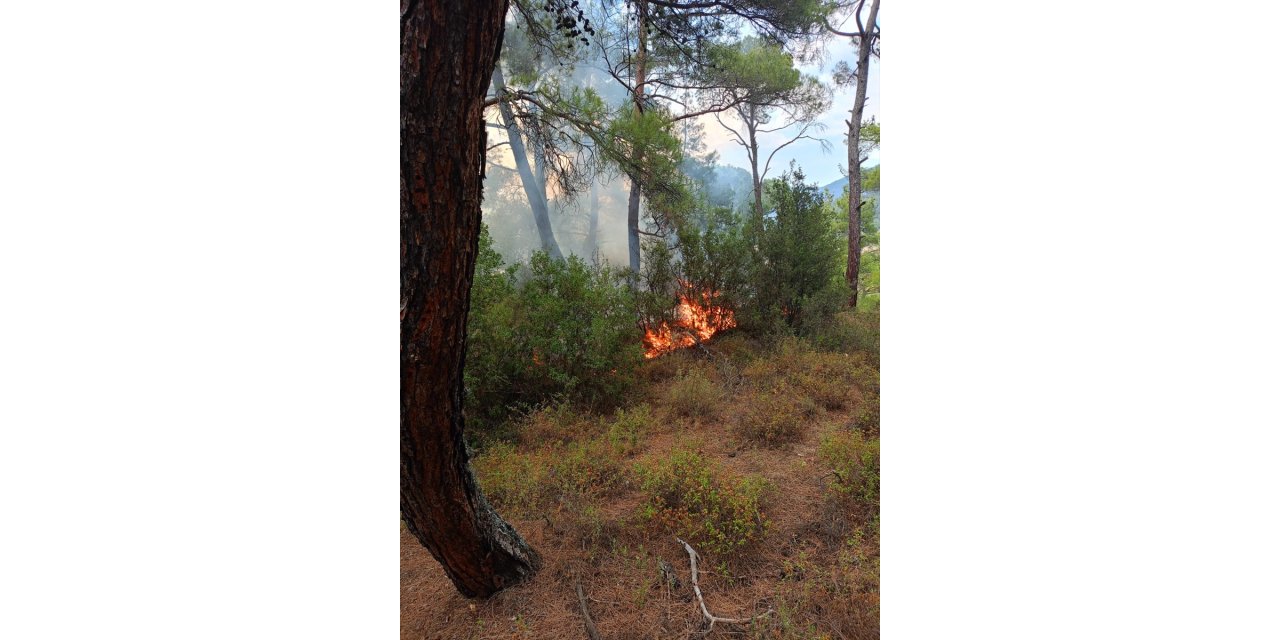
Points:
x=547 y=329
x=687 y=494
x=760 y=447
x=855 y=462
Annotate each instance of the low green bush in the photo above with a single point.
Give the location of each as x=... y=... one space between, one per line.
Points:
x=855 y=459
x=690 y=497
x=548 y=329
x=628 y=427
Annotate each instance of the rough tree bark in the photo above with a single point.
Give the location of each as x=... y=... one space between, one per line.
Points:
x=447 y=55
x=535 y=186
x=866 y=39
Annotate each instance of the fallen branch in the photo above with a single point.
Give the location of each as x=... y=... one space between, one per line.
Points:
x=586 y=615
x=832 y=472
x=693 y=574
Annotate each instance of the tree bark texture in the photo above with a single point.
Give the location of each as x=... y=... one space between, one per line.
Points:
x=865 y=42
x=447 y=55
x=535 y=186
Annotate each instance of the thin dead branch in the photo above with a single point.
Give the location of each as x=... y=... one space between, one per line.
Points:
x=693 y=574
x=586 y=615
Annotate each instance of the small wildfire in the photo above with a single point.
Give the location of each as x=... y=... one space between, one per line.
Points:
x=694 y=323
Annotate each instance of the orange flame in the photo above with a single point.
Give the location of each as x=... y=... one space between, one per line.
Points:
x=694 y=323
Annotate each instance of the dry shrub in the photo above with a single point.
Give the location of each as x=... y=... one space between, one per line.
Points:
x=667 y=365
x=852 y=332
x=529 y=483
x=866 y=417
x=737 y=346
x=834 y=380
x=556 y=422
x=693 y=394
x=696 y=500
x=855 y=461
x=514 y=481
x=776 y=417
x=816 y=598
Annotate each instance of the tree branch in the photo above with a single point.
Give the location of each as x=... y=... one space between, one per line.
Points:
x=586 y=615
x=693 y=574
x=825 y=147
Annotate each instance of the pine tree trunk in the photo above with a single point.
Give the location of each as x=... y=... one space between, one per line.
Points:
x=535 y=186
x=633 y=203
x=855 y=159
x=592 y=244
x=753 y=156
x=447 y=55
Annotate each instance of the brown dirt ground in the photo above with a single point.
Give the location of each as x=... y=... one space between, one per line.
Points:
x=790 y=569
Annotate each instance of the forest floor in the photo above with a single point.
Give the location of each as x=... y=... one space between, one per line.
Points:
x=764 y=458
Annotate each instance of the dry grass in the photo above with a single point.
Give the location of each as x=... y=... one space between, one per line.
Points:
x=777 y=416
x=692 y=394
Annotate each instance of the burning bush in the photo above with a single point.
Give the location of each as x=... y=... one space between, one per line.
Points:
x=695 y=319
x=692 y=290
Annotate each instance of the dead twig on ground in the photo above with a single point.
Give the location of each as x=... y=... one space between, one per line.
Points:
x=586 y=615
x=693 y=574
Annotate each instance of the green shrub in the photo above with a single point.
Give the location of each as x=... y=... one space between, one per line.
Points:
x=689 y=496
x=516 y=482
x=551 y=329
x=855 y=459
x=798 y=277
x=851 y=333
x=628 y=427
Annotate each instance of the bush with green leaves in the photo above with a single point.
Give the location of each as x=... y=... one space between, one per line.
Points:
x=715 y=259
x=548 y=329
x=690 y=497
x=855 y=462
x=799 y=274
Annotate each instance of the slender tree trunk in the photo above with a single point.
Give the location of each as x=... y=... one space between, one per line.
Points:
x=633 y=202
x=633 y=231
x=593 y=221
x=865 y=42
x=535 y=186
x=447 y=55
x=753 y=156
